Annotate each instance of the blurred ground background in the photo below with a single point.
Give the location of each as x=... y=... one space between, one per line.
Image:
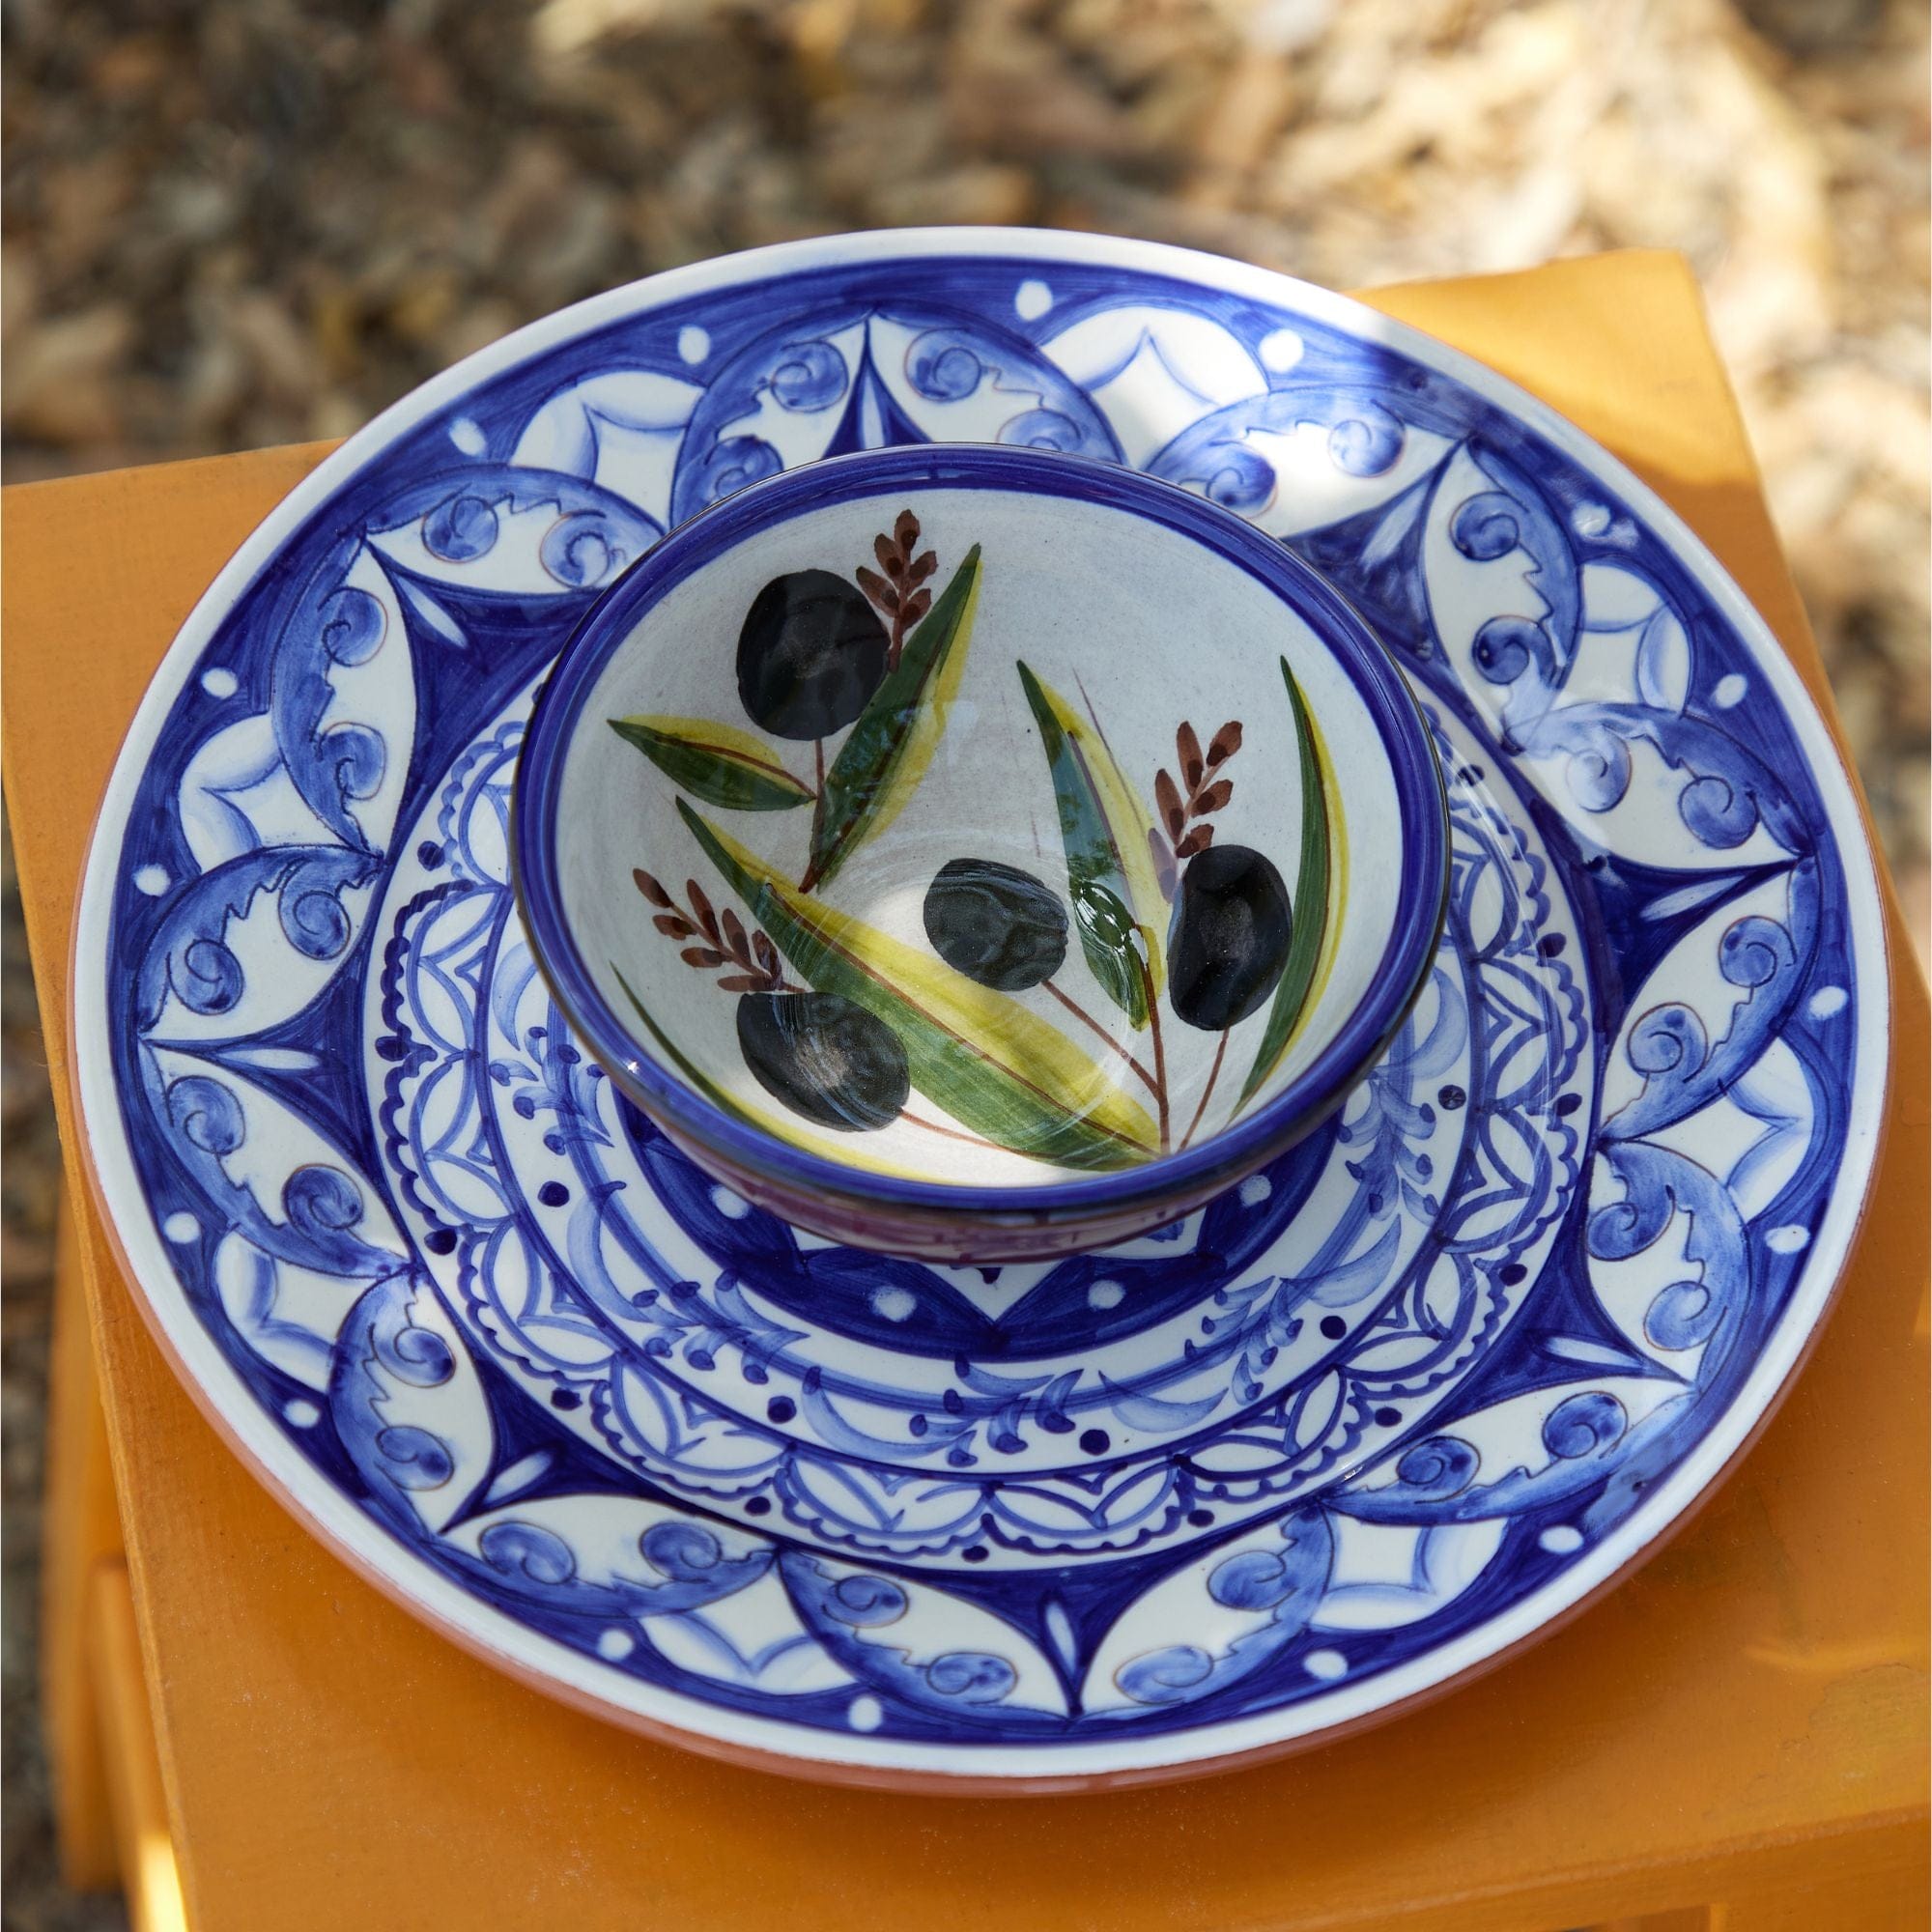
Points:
x=235 y=222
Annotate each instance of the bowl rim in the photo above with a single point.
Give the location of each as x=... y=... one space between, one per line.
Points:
x=1388 y=991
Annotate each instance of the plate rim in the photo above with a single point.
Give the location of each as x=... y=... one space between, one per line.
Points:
x=773 y=1744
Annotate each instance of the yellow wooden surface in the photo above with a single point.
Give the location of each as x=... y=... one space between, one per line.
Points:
x=1744 y=1720
x=150 y=1879
x=79 y=1527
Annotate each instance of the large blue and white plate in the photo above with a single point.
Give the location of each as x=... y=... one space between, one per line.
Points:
x=1380 y=1414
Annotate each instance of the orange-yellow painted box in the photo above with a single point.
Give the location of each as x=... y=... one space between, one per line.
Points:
x=1744 y=1721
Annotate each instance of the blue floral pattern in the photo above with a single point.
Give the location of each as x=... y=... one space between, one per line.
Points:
x=1363 y=1405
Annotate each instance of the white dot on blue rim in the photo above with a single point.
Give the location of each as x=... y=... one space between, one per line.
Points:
x=893 y=1303
x=864 y=1714
x=1729 y=690
x=693 y=343
x=1826 y=1000
x=300 y=1413
x=1788 y=1239
x=1032 y=299
x=1280 y=350
x=1560 y=1538
x=180 y=1228
x=468 y=436
x=615 y=1645
x=219 y=682
x=152 y=880
x=1326 y=1664
x=733 y=1206
x=1105 y=1294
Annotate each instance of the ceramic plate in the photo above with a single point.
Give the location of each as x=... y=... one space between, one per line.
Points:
x=1381 y=1411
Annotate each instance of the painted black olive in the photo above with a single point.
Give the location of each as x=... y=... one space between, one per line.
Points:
x=825 y=1058
x=1230 y=936
x=995 y=924
x=810 y=653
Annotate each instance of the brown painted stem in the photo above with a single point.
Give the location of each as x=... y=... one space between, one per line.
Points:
x=1087 y=1019
x=1159 y=1054
x=1208 y=1092
x=810 y=878
x=913 y=1119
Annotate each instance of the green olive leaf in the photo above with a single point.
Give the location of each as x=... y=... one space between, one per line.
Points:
x=1110 y=877
x=1313 y=914
x=893 y=740
x=715 y=762
x=994 y=1065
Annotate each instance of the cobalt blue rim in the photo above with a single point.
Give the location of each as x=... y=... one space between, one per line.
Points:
x=1390 y=990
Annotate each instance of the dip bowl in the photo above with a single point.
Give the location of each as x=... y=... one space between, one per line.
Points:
x=979 y=853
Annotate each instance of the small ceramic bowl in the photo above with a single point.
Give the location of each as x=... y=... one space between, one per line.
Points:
x=979 y=853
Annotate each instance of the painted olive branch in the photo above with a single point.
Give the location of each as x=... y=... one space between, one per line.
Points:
x=1185 y=830
x=893 y=738
x=721 y=939
x=899 y=593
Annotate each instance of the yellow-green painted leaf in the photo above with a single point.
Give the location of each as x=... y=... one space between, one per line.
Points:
x=1317 y=910
x=994 y=1065
x=1118 y=908
x=715 y=762
x=893 y=740
x=784 y=1127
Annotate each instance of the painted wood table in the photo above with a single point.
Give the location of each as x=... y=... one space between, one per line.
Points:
x=247 y=1734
